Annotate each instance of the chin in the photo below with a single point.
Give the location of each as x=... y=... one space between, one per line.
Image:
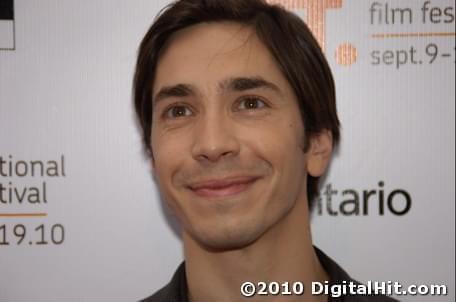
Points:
x=224 y=238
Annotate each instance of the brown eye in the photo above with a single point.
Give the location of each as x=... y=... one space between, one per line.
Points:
x=178 y=111
x=250 y=103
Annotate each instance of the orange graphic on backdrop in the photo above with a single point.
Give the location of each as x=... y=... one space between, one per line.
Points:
x=315 y=14
x=346 y=54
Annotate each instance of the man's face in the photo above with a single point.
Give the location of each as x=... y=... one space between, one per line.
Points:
x=227 y=136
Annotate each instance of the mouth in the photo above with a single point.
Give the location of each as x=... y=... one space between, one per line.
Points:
x=225 y=187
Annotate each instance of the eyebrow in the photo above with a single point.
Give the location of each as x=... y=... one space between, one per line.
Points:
x=179 y=90
x=237 y=84
x=247 y=83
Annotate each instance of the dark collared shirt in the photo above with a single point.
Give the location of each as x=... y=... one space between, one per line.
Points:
x=176 y=290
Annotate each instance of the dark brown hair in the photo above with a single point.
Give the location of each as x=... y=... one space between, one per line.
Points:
x=285 y=35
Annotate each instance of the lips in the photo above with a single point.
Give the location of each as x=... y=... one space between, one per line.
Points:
x=225 y=187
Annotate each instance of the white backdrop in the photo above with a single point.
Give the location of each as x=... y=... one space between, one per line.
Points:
x=80 y=217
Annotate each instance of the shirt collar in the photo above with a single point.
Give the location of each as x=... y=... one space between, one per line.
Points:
x=176 y=290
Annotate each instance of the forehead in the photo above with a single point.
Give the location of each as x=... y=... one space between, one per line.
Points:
x=207 y=53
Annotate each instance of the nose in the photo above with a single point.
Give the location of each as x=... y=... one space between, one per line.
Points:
x=214 y=138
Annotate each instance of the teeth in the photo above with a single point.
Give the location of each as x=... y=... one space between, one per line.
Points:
x=217 y=188
x=221 y=187
x=224 y=186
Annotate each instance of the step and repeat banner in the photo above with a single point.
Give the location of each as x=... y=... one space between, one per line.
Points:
x=80 y=216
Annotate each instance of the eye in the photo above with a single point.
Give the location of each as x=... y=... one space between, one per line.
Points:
x=178 y=111
x=250 y=103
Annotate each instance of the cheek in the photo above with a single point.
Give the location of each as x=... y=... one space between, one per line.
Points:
x=166 y=162
x=167 y=151
x=281 y=147
x=277 y=142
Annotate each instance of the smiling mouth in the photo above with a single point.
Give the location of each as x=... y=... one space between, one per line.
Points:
x=222 y=187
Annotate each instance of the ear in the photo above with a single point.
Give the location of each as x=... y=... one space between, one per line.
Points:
x=319 y=153
x=152 y=163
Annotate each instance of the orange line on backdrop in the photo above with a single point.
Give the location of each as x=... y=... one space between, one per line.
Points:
x=23 y=214
x=408 y=35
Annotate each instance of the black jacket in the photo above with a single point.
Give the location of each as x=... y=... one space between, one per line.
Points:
x=176 y=290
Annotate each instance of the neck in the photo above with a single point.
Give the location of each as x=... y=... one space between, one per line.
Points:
x=283 y=254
